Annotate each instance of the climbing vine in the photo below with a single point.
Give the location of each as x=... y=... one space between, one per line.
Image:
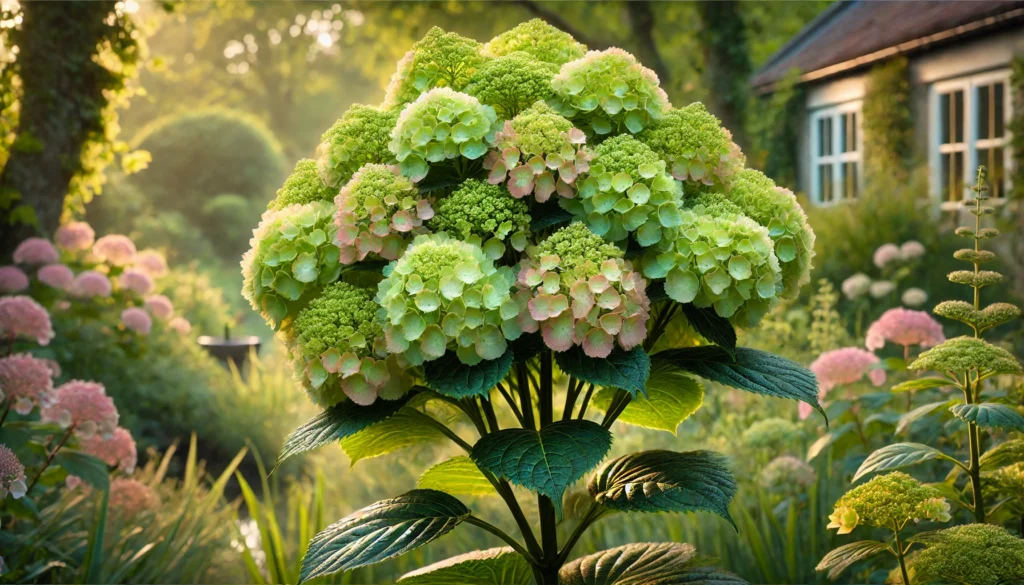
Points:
x=776 y=129
x=1017 y=126
x=887 y=121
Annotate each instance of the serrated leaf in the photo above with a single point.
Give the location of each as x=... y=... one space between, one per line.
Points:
x=918 y=413
x=548 y=215
x=627 y=370
x=748 y=369
x=710 y=325
x=381 y=531
x=89 y=469
x=644 y=563
x=450 y=377
x=989 y=415
x=404 y=429
x=457 y=476
x=545 y=461
x=839 y=559
x=921 y=384
x=897 y=456
x=494 y=566
x=672 y=396
x=666 y=481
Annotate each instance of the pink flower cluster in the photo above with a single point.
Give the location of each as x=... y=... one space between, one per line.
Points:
x=114 y=249
x=137 y=320
x=21 y=316
x=35 y=251
x=12 y=474
x=57 y=276
x=160 y=306
x=12 y=279
x=885 y=254
x=84 y=407
x=130 y=497
x=136 y=281
x=541 y=174
x=904 y=327
x=152 y=263
x=89 y=284
x=841 y=367
x=75 y=236
x=25 y=381
x=181 y=325
x=116 y=450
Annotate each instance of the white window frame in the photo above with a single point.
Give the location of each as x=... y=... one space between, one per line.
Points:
x=837 y=158
x=969 y=85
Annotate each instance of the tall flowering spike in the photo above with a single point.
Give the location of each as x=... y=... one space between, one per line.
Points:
x=696 y=147
x=961 y=354
x=360 y=137
x=339 y=349
x=303 y=186
x=888 y=500
x=777 y=209
x=577 y=290
x=35 y=252
x=115 y=250
x=539 y=153
x=12 y=280
x=25 y=382
x=378 y=213
x=152 y=262
x=441 y=124
x=511 y=83
x=293 y=256
x=82 y=406
x=130 y=497
x=904 y=327
x=539 y=39
x=160 y=306
x=75 y=236
x=446 y=294
x=12 y=474
x=979 y=554
x=627 y=191
x=609 y=92
x=844 y=366
x=993 y=315
x=90 y=283
x=116 y=450
x=135 y=281
x=480 y=211
x=23 y=317
x=439 y=59
x=57 y=276
x=787 y=475
x=137 y=320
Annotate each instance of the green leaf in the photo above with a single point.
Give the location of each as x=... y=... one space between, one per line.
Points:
x=672 y=396
x=921 y=384
x=666 y=481
x=494 y=566
x=918 y=413
x=627 y=370
x=644 y=563
x=710 y=325
x=990 y=415
x=381 y=531
x=89 y=469
x=827 y=440
x=897 y=456
x=457 y=476
x=748 y=369
x=449 y=376
x=546 y=461
x=404 y=429
x=839 y=559
x=1006 y=452
x=548 y=215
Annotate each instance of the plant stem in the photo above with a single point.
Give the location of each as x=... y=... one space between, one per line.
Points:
x=525 y=400
x=6 y=411
x=502 y=535
x=586 y=401
x=492 y=419
x=899 y=555
x=446 y=431
x=512 y=404
x=974 y=465
x=49 y=458
x=588 y=518
x=545 y=505
x=571 y=392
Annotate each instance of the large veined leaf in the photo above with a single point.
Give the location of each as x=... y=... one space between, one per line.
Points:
x=840 y=559
x=644 y=563
x=748 y=369
x=89 y=469
x=990 y=415
x=918 y=413
x=449 y=376
x=666 y=481
x=1006 y=452
x=710 y=325
x=457 y=476
x=920 y=384
x=381 y=531
x=627 y=370
x=897 y=456
x=494 y=566
x=672 y=396
x=404 y=429
x=545 y=461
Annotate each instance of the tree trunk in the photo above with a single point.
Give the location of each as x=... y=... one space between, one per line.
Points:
x=727 y=65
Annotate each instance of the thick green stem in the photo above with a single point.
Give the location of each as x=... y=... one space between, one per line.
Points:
x=899 y=555
x=546 y=507
x=525 y=400
x=974 y=452
x=502 y=535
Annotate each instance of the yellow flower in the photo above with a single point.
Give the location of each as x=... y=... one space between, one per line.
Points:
x=845 y=519
x=935 y=509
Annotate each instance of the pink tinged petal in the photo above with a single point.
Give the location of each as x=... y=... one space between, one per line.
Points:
x=331 y=360
x=549 y=261
x=557 y=333
x=633 y=332
x=526 y=322
x=599 y=284
x=315 y=373
x=359 y=390
x=877 y=377
x=368 y=243
x=520 y=181
x=491 y=159
x=576 y=136
x=510 y=157
x=402 y=221
x=564 y=190
x=551 y=283
x=396 y=342
x=376 y=372
x=581 y=308
x=347 y=254
x=609 y=299
x=544 y=187
x=611 y=323
x=533 y=277
x=536 y=164
x=381 y=228
x=349 y=364
x=377 y=213
x=611 y=270
x=423 y=210
x=598 y=344
x=497 y=174
x=347 y=234
x=391 y=247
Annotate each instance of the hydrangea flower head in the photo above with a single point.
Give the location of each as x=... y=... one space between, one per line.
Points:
x=82 y=406
x=856 y=286
x=486 y=213
x=303 y=186
x=379 y=211
x=979 y=554
x=12 y=279
x=152 y=262
x=137 y=320
x=445 y=292
x=160 y=306
x=511 y=83
x=12 y=474
x=787 y=474
x=885 y=254
x=114 y=249
x=180 y=325
x=135 y=281
x=35 y=251
x=1008 y=480
x=441 y=124
x=538 y=38
x=360 y=137
x=21 y=316
x=695 y=146
x=770 y=432
x=25 y=382
x=914 y=297
x=609 y=92
x=90 y=283
x=116 y=450
x=129 y=497
x=904 y=327
x=57 y=276
x=439 y=59
x=911 y=250
x=844 y=366
x=961 y=354
x=881 y=288
x=891 y=499
x=75 y=236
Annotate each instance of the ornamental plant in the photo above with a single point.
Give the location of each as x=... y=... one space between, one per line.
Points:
x=518 y=319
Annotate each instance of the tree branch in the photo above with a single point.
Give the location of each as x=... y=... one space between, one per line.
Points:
x=556 y=20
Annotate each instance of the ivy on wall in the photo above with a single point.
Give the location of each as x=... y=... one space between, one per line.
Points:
x=776 y=130
x=1016 y=126
x=887 y=122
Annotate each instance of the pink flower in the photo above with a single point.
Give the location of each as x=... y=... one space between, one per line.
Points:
x=91 y=284
x=12 y=474
x=75 y=236
x=904 y=327
x=152 y=263
x=136 y=281
x=137 y=320
x=181 y=325
x=841 y=367
x=129 y=497
x=56 y=276
x=21 y=316
x=82 y=406
x=885 y=254
x=12 y=279
x=36 y=251
x=114 y=249
x=25 y=381
x=911 y=250
x=118 y=449
x=160 y=306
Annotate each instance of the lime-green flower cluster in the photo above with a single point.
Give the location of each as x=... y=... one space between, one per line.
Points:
x=439 y=59
x=787 y=475
x=443 y=292
x=292 y=257
x=541 y=153
x=962 y=354
x=484 y=213
x=511 y=83
x=303 y=186
x=441 y=124
x=539 y=39
x=1008 y=480
x=770 y=432
x=979 y=554
x=379 y=211
x=695 y=146
x=361 y=136
x=609 y=92
x=627 y=190
x=991 y=316
x=339 y=350
x=889 y=501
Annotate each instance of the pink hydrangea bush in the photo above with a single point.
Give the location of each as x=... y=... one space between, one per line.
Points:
x=160 y=306
x=180 y=325
x=886 y=254
x=130 y=497
x=137 y=320
x=135 y=281
x=35 y=251
x=58 y=276
x=83 y=408
x=91 y=283
x=152 y=263
x=116 y=450
x=842 y=367
x=114 y=249
x=76 y=236
x=904 y=327
x=25 y=382
x=23 y=317
x=12 y=280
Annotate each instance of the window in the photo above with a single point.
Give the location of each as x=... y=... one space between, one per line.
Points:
x=969 y=129
x=835 y=153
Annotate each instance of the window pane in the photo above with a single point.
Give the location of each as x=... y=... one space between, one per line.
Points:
x=850 y=187
x=824 y=136
x=952 y=176
x=951 y=117
x=984 y=112
x=993 y=159
x=944 y=118
x=958 y=116
x=825 y=182
x=999 y=91
x=848 y=132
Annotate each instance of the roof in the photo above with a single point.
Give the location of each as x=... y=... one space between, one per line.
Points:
x=853 y=34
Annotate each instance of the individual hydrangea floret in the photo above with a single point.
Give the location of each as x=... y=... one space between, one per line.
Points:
x=25 y=382
x=696 y=147
x=979 y=554
x=23 y=317
x=961 y=354
x=360 y=137
x=991 y=316
x=914 y=297
x=12 y=280
x=485 y=212
x=152 y=262
x=439 y=59
x=441 y=124
x=35 y=251
x=83 y=407
x=180 y=325
x=115 y=250
x=770 y=432
x=889 y=500
x=445 y=292
x=577 y=290
x=856 y=286
x=292 y=256
x=12 y=474
x=886 y=254
x=609 y=92
x=511 y=83
x=135 y=281
x=904 y=327
x=303 y=186
x=538 y=38
x=116 y=450
x=160 y=306
x=90 y=283
x=339 y=349
x=57 y=276
x=75 y=236
x=379 y=211
x=129 y=498
x=787 y=474
x=137 y=320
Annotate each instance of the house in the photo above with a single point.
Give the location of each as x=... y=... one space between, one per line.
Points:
x=959 y=56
